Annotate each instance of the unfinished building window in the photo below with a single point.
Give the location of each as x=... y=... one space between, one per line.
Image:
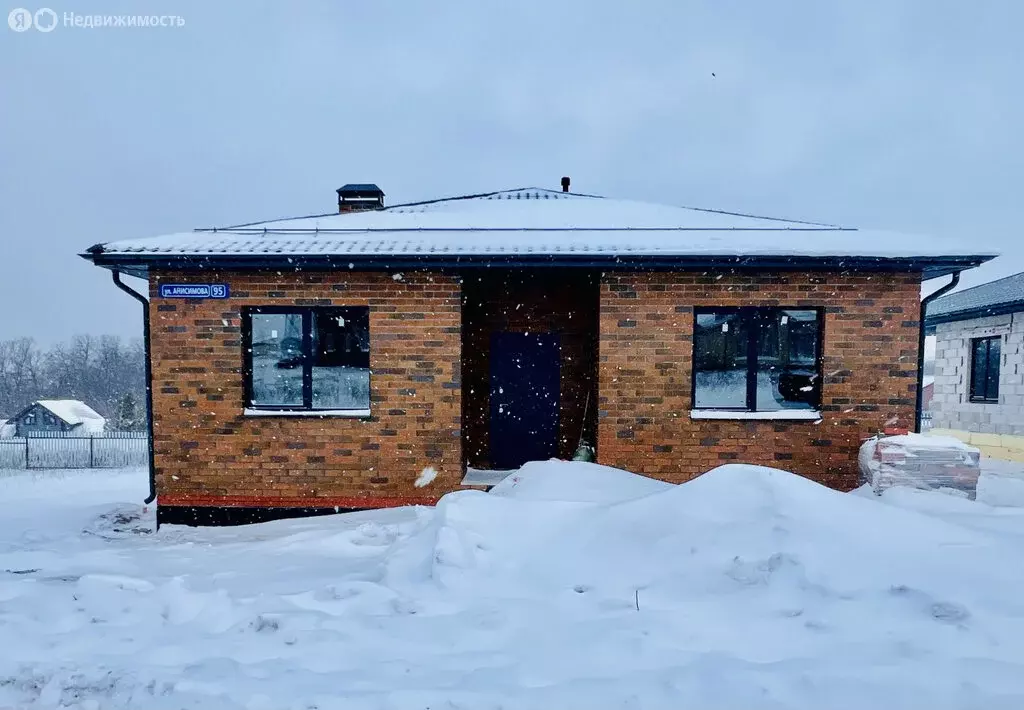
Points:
x=307 y=359
x=985 y=354
x=757 y=359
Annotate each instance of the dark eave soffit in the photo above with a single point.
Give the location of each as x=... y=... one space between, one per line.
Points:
x=138 y=265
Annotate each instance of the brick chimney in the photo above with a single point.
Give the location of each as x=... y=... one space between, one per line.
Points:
x=359 y=197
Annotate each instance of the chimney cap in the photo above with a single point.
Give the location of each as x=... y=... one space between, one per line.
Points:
x=565 y=184
x=360 y=189
x=360 y=197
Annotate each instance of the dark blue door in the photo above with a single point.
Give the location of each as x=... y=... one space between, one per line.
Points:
x=524 y=398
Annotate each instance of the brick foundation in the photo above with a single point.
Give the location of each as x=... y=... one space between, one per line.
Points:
x=646 y=349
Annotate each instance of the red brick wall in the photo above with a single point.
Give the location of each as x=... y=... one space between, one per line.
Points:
x=208 y=453
x=646 y=348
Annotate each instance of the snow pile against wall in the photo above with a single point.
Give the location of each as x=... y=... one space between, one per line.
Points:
x=576 y=481
x=747 y=587
x=919 y=461
x=737 y=523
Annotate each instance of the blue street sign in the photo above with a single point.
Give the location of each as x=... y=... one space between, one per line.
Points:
x=194 y=291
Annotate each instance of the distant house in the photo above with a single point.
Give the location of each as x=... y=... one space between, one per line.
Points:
x=49 y=416
x=979 y=366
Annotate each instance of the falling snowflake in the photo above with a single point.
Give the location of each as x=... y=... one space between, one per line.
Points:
x=426 y=477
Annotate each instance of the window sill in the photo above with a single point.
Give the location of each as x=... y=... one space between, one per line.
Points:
x=315 y=413
x=793 y=415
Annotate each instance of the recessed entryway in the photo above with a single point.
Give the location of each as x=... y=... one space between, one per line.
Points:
x=528 y=365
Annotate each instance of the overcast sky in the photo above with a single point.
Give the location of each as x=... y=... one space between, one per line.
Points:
x=905 y=116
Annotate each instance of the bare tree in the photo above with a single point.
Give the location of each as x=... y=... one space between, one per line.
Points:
x=101 y=371
x=21 y=372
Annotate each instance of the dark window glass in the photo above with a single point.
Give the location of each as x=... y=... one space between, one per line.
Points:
x=308 y=358
x=787 y=360
x=757 y=359
x=341 y=359
x=985 y=354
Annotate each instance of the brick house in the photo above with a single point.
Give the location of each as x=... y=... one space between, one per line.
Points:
x=370 y=357
x=979 y=366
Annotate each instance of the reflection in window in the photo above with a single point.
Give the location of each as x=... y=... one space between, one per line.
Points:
x=787 y=374
x=720 y=361
x=757 y=359
x=341 y=360
x=276 y=359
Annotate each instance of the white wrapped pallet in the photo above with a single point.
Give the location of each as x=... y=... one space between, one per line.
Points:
x=919 y=461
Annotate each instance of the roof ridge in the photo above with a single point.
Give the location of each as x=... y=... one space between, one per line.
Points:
x=480 y=195
x=492 y=193
x=758 y=216
x=262 y=221
x=974 y=288
x=250 y=231
x=419 y=203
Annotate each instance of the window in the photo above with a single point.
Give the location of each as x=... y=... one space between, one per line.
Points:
x=757 y=359
x=307 y=359
x=985 y=369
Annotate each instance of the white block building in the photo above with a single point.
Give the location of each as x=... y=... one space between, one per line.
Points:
x=979 y=366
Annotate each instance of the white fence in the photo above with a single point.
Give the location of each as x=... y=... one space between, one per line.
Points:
x=116 y=449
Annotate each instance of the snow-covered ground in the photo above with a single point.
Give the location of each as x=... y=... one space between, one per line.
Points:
x=569 y=586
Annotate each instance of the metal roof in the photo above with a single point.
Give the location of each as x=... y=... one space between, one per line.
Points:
x=71 y=411
x=537 y=227
x=1005 y=295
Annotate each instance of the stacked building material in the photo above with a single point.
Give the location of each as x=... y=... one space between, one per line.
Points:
x=918 y=461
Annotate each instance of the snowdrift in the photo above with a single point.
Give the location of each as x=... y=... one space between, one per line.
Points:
x=571 y=586
x=576 y=481
x=756 y=563
x=734 y=523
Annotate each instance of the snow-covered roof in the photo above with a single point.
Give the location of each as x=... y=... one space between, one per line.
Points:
x=536 y=226
x=1004 y=295
x=71 y=411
